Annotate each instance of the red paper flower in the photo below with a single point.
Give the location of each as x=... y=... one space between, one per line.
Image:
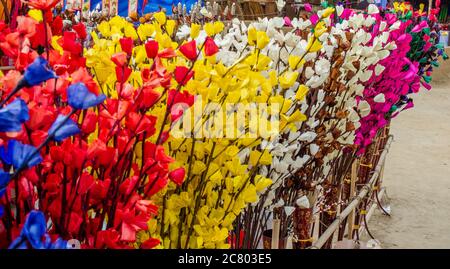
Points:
x=126 y=44
x=69 y=43
x=41 y=117
x=57 y=26
x=11 y=45
x=183 y=74
x=119 y=58
x=89 y=122
x=178 y=102
x=175 y=97
x=99 y=190
x=210 y=47
x=141 y=123
x=150 y=243
x=38 y=136
x=123 y=73
x=189 y=50
x=177 y=176
x=80 y=29
x=99 y=153
x=82 y=75
x=43 y=5
x=75 y=222
x=156 y=185
x=167 y=53
x=151 y=47
x=108 y=238
x=130 y=223
x=85 y=182
x=38 y=39
x=26 y=26
x=147 y=207
x=148 y=97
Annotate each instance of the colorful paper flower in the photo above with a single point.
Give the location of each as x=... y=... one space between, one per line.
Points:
x=13 y=115
x=43 y=5
x=79 y=97
x=4 y=180
x=34 y=234
x=151 y=48
x=189 y=50
x=210 y=47
x=19 y=155
x=62 y=128
x=38 y=72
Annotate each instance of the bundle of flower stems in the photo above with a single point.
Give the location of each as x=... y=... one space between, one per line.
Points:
x=188 y=132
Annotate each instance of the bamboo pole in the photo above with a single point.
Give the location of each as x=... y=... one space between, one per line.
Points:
x=364 y=191
x=353 y=178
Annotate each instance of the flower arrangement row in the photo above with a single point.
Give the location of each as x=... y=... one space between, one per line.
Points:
x=113 y=137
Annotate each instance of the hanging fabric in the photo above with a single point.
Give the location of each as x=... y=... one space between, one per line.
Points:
x=125 y=8
x=96 y=4
x=154 y=6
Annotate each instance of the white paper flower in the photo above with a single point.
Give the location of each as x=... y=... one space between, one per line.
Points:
x=372 y=9
x=307 y=136
x=280 y=5
x=183 y=32
x=379 y=98
x=364 y=108
x=339 y=10
x=303 y=202
x=289 y=210
x=314 y=149
x=379 y=69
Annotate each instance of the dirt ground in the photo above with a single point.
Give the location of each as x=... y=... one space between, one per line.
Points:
x=417 y=173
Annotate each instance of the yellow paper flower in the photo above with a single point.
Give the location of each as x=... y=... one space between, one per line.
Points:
x=56 y=45
x=195 y=30
x=327 y=12
x=295 y=62
x=262 y=40
x=320 y=29
x=252 y=36
x=36 y=14
x=218 y=27
x=301 y=92
x=288 y=79
x=314 y=45
x=145 y=31
x=160 y=17
x=209 y=29
x=170 y=26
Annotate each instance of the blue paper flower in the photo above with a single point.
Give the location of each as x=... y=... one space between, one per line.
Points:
x=38 y=72
x=13 y=115
x=4 y=180
x=62 y=128
x=59 y=244
x=20 y=155
x=80 y=97
x=34 y=232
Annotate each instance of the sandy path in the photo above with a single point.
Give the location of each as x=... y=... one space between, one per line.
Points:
x=417 y=174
